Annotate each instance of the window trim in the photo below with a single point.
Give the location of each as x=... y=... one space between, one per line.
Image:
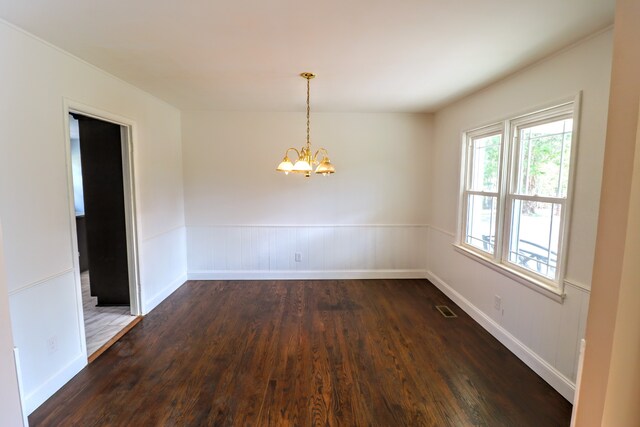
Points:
x=498 y=260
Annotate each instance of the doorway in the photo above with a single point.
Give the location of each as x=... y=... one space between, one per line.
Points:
x=104 y=236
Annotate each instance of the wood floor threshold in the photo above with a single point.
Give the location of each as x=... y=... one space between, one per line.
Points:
x=115 y=338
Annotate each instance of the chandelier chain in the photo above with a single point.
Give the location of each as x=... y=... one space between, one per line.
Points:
x=308 y=113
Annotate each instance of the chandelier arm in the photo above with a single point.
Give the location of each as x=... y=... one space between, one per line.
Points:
x=286 y=153
x=325 y=155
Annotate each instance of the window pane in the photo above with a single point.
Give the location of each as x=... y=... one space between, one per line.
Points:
x=485 y=159
x=544 y=153
x=481 y=222
x=535 y=230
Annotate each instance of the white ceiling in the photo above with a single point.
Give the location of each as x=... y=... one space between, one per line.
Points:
x=370 y=55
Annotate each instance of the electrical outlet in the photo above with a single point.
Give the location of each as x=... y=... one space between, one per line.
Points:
x=298 y=257
x=497 y=302
x=52 y=344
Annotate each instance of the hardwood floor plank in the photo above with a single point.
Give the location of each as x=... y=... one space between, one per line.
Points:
x=306 y=353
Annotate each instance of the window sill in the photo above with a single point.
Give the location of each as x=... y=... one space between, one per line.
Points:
x=552 y=292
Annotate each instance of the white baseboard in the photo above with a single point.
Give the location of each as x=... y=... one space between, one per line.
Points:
x=305 y=274
x=152 y=303
x=54 y=383
x=551 y=375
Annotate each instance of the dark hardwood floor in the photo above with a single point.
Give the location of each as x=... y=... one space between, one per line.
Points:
x=306 y=353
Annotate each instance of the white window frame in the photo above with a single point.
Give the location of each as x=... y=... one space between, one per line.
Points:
x=507 y=185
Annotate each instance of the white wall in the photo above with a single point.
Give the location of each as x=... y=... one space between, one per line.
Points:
x=246 y=220
x=541 y=331
x=34 y=201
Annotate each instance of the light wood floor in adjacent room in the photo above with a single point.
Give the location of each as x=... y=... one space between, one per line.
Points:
x=306 y=353
x=101 y=323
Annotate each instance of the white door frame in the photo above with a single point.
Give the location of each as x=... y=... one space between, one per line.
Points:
x=128 y=139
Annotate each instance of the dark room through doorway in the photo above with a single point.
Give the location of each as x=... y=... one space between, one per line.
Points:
x=98 y=168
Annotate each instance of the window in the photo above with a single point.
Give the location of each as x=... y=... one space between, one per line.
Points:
x=481 y=188
x=515 y=195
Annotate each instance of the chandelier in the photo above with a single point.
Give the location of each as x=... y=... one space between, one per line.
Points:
x=305 y=160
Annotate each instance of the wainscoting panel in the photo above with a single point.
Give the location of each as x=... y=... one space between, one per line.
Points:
x=544 y=333
x=323 y=251
x=162 y=266
x=47 y=332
